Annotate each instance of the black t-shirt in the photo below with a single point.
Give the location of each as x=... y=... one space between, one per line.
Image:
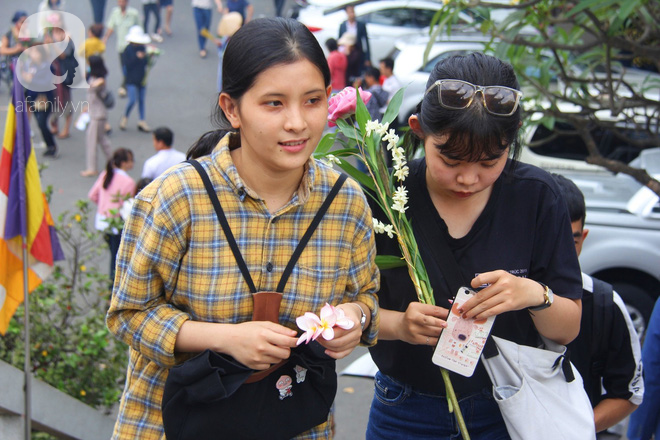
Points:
x=524 y=229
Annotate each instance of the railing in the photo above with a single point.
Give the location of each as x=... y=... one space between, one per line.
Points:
x=53 y=411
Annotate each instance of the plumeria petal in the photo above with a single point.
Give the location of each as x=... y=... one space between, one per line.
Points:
x=305 y=337
x=328 y=334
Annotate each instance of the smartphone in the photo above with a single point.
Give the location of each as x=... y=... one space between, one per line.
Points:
x=462 y=342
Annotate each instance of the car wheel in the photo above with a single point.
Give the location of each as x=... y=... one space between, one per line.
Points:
x=639 y=305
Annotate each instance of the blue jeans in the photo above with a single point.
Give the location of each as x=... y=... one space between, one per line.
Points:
x=202 y=21
x=135 y=93
x=399 y=412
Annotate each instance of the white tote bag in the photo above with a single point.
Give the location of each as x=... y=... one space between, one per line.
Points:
x=535 y=397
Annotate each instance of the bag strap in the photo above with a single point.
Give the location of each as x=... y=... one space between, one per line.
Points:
x=232 y=241
x=310 y=230
x=225 y=225
x=603 y=303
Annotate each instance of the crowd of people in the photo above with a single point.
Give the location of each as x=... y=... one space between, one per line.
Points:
x=180 y=288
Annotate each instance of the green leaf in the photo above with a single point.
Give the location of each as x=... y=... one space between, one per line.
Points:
x=358 y=175
x=393 y=107
x=361 y=113
x=389 y=261
x=326 y=142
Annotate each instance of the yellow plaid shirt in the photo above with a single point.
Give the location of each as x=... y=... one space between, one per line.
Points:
x=174 y=264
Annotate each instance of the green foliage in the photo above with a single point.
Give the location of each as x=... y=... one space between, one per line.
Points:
x=574 y=60
x=71 y=347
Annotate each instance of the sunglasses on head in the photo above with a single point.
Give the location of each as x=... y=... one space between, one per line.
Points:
x=455 y=94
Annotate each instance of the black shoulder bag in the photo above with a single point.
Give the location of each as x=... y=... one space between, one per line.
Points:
x=213 y=396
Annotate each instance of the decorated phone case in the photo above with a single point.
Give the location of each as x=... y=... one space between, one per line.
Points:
x=462 y=342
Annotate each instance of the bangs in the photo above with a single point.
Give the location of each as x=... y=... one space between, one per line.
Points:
x=473 y=147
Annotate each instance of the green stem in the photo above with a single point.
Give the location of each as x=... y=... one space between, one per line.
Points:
x=452 y=401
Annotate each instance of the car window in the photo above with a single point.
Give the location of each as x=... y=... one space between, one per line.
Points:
x=565 y=143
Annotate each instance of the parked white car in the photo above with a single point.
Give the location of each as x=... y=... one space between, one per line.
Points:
x=386 y=21
x=623 y=246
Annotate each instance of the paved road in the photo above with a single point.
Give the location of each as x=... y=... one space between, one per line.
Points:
x=181 y=94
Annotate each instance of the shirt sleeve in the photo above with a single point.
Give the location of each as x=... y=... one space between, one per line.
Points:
x=622 y=377
x=148 y=259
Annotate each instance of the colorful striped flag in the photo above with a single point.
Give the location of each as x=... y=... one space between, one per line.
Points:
x=23 y=213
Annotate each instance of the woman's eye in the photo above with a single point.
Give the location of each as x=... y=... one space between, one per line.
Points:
x=274 y=103
x=450 y=164
x=314 y=100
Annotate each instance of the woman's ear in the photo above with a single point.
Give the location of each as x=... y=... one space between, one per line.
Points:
x=230 y=108
x=328 y=91
x=415 y=126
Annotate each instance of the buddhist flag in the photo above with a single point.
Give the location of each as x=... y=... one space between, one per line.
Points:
x=23 y=213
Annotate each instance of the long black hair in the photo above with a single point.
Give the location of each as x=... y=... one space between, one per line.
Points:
x=120 y=156
x=473 y=132
x=257 y=46
x=97 y=67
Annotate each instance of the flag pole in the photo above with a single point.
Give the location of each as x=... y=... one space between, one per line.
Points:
x=28 y=363
x=22 y=132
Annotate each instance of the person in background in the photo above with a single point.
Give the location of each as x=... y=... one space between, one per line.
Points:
x=338 y=63
x=169 y=10
x=98 y=114
x=279 y=5
x=165 y=303
x=390 y=84
x=347 y=46
x=166 y=156
x=379 y=96
x=10 y=45
x=135 y=63
x=111 y=189
x=127 y=206
x=359 y=30
x=606 y=352
x=94 y=45
x=65 y=63
x=151 y=7
x=202 y=12
x=508 y=228
x=121 y=20
x=644 y=423
x=98 y=10
x=243 y=7
x=48 y=6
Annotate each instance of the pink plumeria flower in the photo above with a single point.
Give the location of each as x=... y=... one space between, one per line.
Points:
x=315 y=326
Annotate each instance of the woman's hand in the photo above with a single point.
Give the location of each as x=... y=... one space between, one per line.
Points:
x=258 y=344
x=504 y=292
x=420 y=324
x=344 y=341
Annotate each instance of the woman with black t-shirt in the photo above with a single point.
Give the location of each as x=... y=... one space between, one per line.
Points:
x=509 y=231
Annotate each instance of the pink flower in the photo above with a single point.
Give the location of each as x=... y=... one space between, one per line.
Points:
x=314 y=326
x=344 y=103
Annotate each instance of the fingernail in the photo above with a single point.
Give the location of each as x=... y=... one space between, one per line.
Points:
x=451 y=301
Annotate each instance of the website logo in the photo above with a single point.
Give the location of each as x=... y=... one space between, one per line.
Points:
x=48 y=36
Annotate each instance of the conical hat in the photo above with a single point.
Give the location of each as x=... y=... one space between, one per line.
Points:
x=229 y=24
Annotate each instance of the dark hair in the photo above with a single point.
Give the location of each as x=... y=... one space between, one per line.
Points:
x=573 y=197
x=474 y=134
x=97 y=67
x=389 y=62
x=142 y=183
x=120 y=156
x=257 y=46
x=165 y=135
x=97 y=29
x=372 y=72
x=18 y=15
x=331 y=44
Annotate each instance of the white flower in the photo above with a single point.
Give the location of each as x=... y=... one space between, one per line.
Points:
x=398 y=155
x=382 y=129
x=382 y=228
x=400 y=199
x=372 y=126
x=333 y=159
x=391 y=138
x=401 y=173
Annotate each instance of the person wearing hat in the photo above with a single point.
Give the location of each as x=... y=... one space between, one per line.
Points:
x=121 y=19
x=135 y=62
x=348 y=46
x=229 y=24
x=359 y=30
x=10 y=46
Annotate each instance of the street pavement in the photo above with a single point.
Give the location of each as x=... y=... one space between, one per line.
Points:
x=181 y=94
